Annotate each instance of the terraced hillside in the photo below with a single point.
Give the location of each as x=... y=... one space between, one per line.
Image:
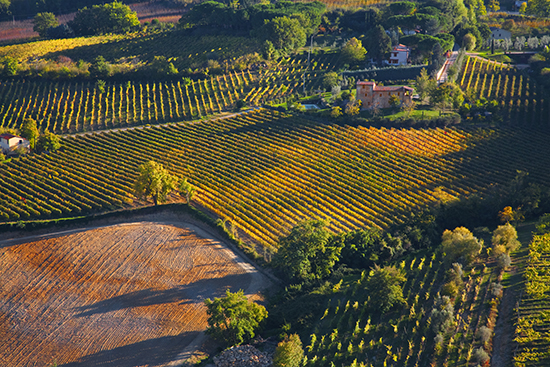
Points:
x=267 y=171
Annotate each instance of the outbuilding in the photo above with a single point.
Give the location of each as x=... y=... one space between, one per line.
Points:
x=9 y=143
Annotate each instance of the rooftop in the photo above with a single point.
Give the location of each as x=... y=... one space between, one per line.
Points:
x=8 y=136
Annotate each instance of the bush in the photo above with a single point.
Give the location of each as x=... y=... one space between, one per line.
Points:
x=480 y=355
x=484 y=334
x=289 y=352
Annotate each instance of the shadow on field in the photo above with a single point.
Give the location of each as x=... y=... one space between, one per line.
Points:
x=152 y=352
x=192 y=293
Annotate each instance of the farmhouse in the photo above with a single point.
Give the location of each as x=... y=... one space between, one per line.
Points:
x=9 y=143
x=372 y=95
x=399 y=55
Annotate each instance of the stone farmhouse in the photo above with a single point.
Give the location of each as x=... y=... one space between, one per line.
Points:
x=372 y=95
x=9 y=143
x=500 y=34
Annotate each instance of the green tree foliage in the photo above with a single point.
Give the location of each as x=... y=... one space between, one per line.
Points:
x=233 y=319
x=543 y=225
x=99 y=68
x=162 y=67
x=48 y=142
x=187 y=190
x=494 y=5
x=11 y=67
x=447 y=95
x=353 y=52
x=505 y=239
x=29 y=131
x=113 y=17
x=289 y=352
x=538 y=8
x=469 y=42
x=42 y=22
x=330 y=80
x=424 y=84
x=394 y=101
x=306 y=254
x=336 y=112
x=284 y=33
x=378 y=43
x=460 y=244
x=442 y=315
x=384 y=288
x=402 y=8
x=154 y=181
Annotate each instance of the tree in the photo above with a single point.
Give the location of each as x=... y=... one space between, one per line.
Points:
x=469 y=42
x=394 y=101
x=330 y=79
x=378 y=43
x=447 y=95
x=460 y=244
x=163 y=67
x=99 y=68
x=154 y=181
x=289 y=352
x=442 y=315
x=336 y=112
x=187 y=189
x=353 y=52
x=306 y=254
x=353 y=108
x=29 y=131
x=424 y=84
x=48 y=142
x=494 y=5
x=42 y=22
x=233 y=319
x=113 y=17
x=284 y=33
x=10 y=66
x=384 y=288
x=505 y=239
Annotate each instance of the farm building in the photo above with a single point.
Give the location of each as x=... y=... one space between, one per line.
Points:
x=372 y=95
x=399 y=55
x=9 y=143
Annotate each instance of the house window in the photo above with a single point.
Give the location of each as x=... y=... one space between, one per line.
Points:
x=20 y=141
x=380 y=94
x=398 y=94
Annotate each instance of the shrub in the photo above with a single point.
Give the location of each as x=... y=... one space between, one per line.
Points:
x=480 y=355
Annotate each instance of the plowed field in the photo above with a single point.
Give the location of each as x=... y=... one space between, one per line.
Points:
x=125 y=295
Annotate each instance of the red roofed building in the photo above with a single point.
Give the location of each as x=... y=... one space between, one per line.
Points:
x=9 y=143
x=399 y=55
x=372 y=95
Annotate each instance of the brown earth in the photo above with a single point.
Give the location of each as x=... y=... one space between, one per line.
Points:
x=123 y=295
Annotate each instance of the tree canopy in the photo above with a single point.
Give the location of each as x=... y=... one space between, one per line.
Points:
x=285 y=33
x=460 y=244
x=289 y=352
x=29 y=131
x=48 y=142
x=306 y=254
x=353 y=52
x=233 y=319
x=42 y=22
x=378 y=43
x=113 y=17
x=154 y=181
x=384 y=288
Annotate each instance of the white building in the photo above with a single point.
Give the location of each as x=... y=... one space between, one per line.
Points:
x=9 y=143
x=500 y=34
x=399 y=55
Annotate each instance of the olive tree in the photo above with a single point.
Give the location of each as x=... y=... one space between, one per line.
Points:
x=44 y=21
x=460 y=244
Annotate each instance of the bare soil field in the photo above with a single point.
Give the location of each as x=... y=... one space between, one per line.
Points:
x=21 y=29
x=123 y=295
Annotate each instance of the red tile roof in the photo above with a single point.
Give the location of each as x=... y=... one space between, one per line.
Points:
x=8 y=136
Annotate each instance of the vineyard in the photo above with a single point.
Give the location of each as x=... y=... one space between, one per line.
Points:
x=522 y=100
x=266 y=171
x=349 y=335
x=72 y=106
x=183 y=50
x=352 y=4
x=533 y=324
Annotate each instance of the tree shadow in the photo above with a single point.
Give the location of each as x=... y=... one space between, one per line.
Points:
x=192 y=293
x=151 y=352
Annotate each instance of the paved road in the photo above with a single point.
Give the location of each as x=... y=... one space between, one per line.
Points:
x=442 y=74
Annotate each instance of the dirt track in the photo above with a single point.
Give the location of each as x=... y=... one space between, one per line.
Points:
x=124 y=295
